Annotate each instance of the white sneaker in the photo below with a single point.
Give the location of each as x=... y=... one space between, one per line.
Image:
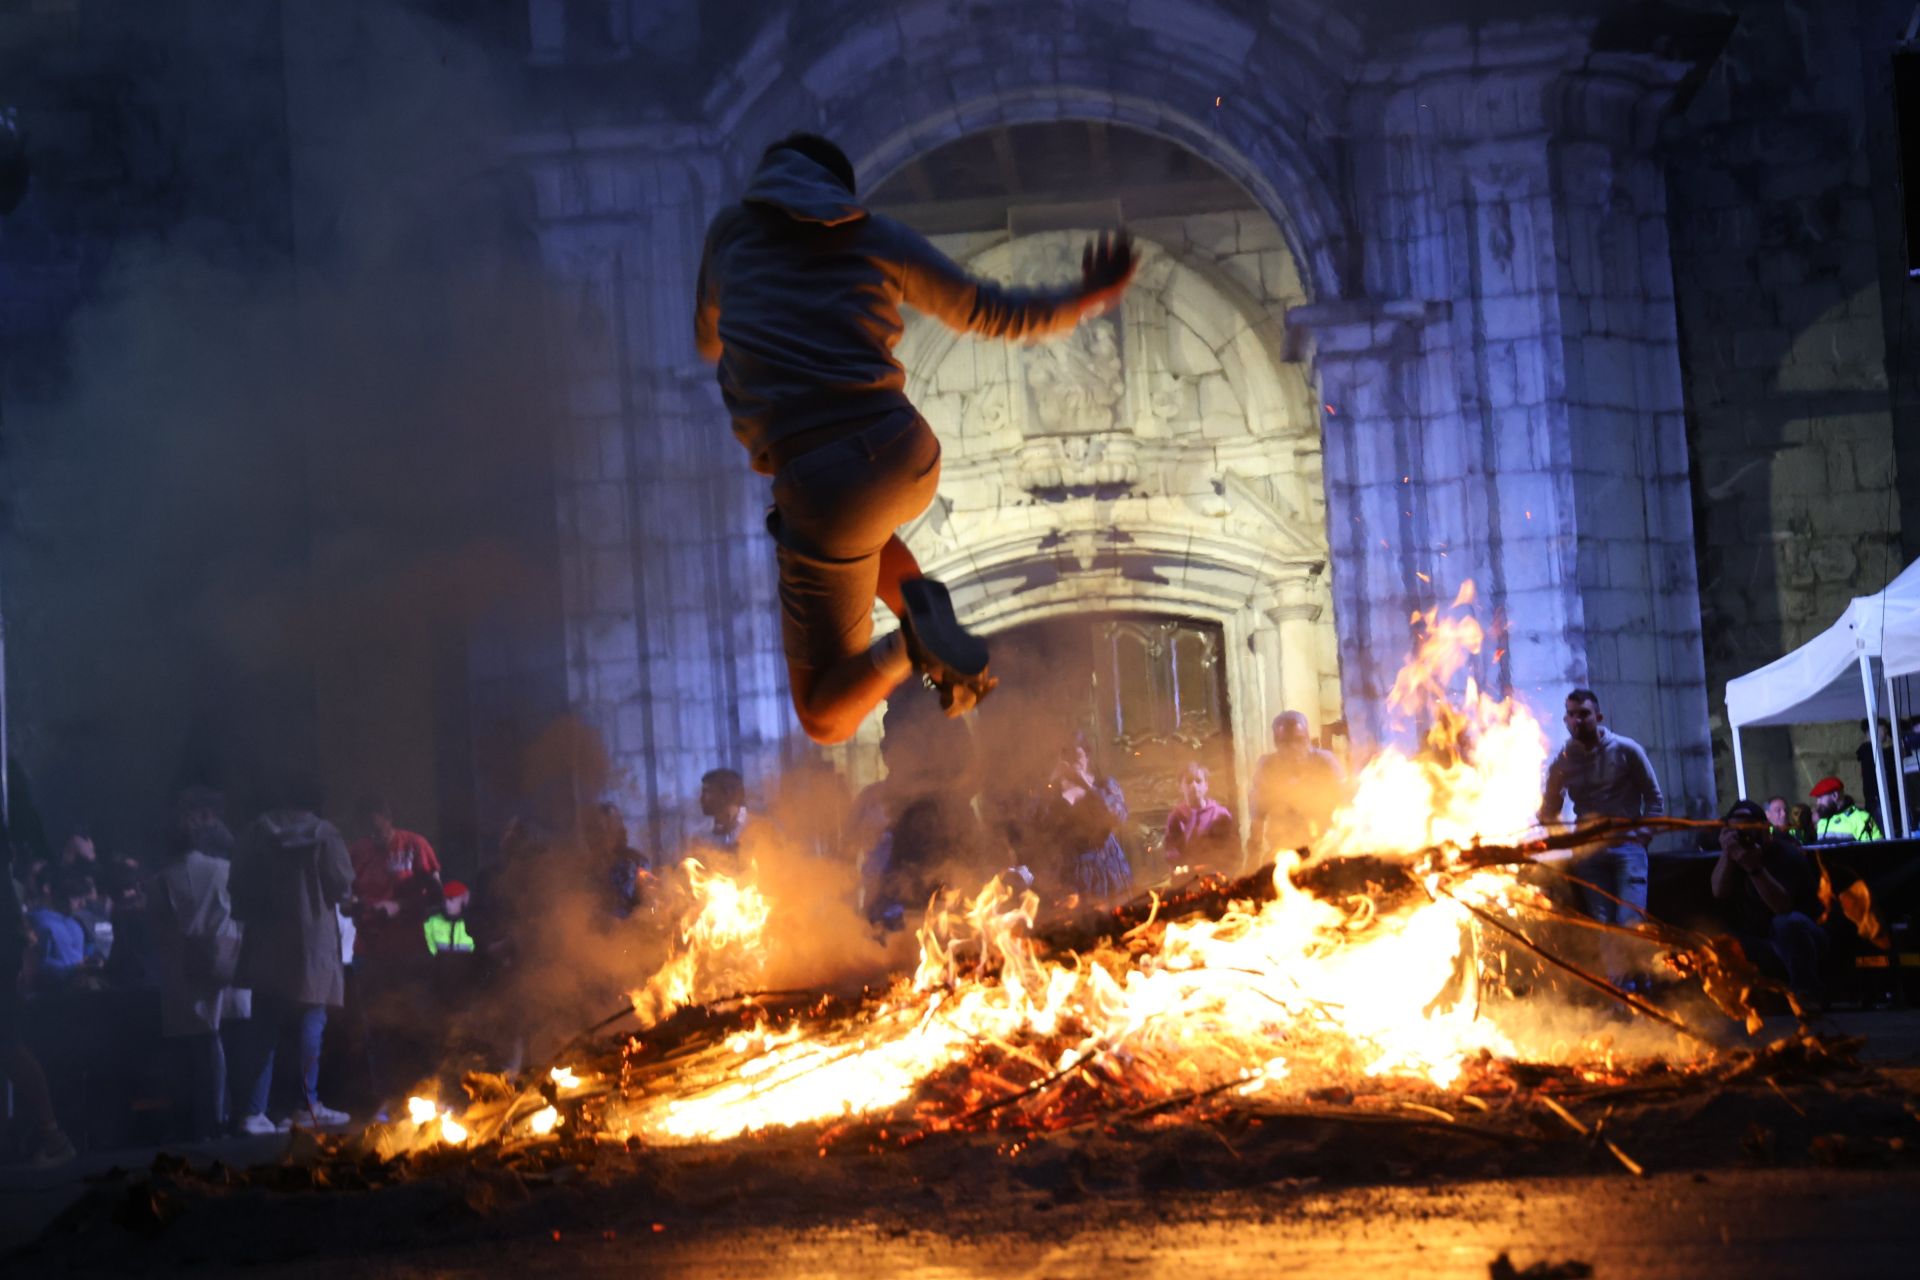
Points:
x=320 y=1117
x=258 y=1126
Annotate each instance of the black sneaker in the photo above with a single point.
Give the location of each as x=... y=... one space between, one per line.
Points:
x=951 y=659
x=939 y=647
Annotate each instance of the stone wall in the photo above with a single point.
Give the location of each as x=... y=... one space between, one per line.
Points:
x=1786 y=241
x=673 y=654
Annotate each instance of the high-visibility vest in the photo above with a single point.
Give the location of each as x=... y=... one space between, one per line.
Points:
x=1851 y=821
x=447 y=935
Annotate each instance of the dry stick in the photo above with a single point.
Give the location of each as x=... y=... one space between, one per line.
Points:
x=1573 y=1122
x=1599 y=984
x=1662 y=932
x=1631 y=1165
x=1775 y=1086
x=1168 y=1104
x=1027 y=1056
x=1402 y=1122
x=624 y=1011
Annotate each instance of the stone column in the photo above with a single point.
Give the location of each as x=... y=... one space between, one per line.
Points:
x=1369 y=358
x=1270 y=661
x=673 y=641
x=1528 y=438
x=1294 y=620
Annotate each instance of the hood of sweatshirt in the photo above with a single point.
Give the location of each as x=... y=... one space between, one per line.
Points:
x=291 y=828
x=802 y=189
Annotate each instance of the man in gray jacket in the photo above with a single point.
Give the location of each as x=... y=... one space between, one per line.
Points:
x=1611 y=783
x=290 y=872
x=799 y=303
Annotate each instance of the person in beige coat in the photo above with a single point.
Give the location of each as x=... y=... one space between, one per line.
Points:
x=195 y=943
x=290 y=873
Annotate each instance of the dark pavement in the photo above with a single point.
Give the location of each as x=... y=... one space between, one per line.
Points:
x=1750 y=1222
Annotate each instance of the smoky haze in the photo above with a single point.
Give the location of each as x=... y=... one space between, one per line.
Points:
x=287 y=463
x=284 y=463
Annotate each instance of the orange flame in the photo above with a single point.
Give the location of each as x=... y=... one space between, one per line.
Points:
x=717 y=951
x=1856 y=904
x=1477 y=777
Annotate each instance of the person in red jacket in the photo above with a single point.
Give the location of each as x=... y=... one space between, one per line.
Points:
x=386 y=860
x=396 y=886
x=1201 y=831
x=798 y=302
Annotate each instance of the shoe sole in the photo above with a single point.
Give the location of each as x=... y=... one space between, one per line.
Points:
x=961 y=696
x=937 y=630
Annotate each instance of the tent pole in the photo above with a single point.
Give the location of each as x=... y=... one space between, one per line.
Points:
x=1873 y=741
x=1739 y=767
x=1899 y=757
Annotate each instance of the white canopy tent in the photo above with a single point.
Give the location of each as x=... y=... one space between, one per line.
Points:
x=1832 y=677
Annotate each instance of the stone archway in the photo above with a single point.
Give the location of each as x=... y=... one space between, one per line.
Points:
x=1259 y=98
x=1163 y=460
x=1252 y=100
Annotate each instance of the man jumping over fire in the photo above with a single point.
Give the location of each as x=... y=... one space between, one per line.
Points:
x=799 y=303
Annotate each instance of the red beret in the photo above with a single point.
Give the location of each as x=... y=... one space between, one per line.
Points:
x=453 y=889
x=1826 y=787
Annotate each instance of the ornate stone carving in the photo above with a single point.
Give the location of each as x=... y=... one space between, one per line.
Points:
x=985 y=412
x=1077 y=381
x=1078 y=461
x=935 y=530
x=1167 y=401
x=1253 y=508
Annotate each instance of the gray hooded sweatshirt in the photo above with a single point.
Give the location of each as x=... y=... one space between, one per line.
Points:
x=799 y=302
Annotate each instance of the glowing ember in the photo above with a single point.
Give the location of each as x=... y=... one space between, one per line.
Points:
x=422 y=1110
x=452 y=1130
x=564 y=1077
x=544 y=1120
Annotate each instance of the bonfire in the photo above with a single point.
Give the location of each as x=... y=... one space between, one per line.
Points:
x=1413 y=962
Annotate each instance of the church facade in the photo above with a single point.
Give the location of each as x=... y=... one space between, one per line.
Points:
x=1438 y=346
x=349 y=365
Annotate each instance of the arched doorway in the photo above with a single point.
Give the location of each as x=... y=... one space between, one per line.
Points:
x=1161 y=462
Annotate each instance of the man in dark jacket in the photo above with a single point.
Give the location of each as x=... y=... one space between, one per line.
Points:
x=799 y=303
x=290 y=874
x=1771 y=897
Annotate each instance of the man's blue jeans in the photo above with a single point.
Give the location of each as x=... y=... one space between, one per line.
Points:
x=277 y=1024
x=1622 y=872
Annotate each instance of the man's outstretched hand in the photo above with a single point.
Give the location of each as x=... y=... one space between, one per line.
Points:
x=1106 y=268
